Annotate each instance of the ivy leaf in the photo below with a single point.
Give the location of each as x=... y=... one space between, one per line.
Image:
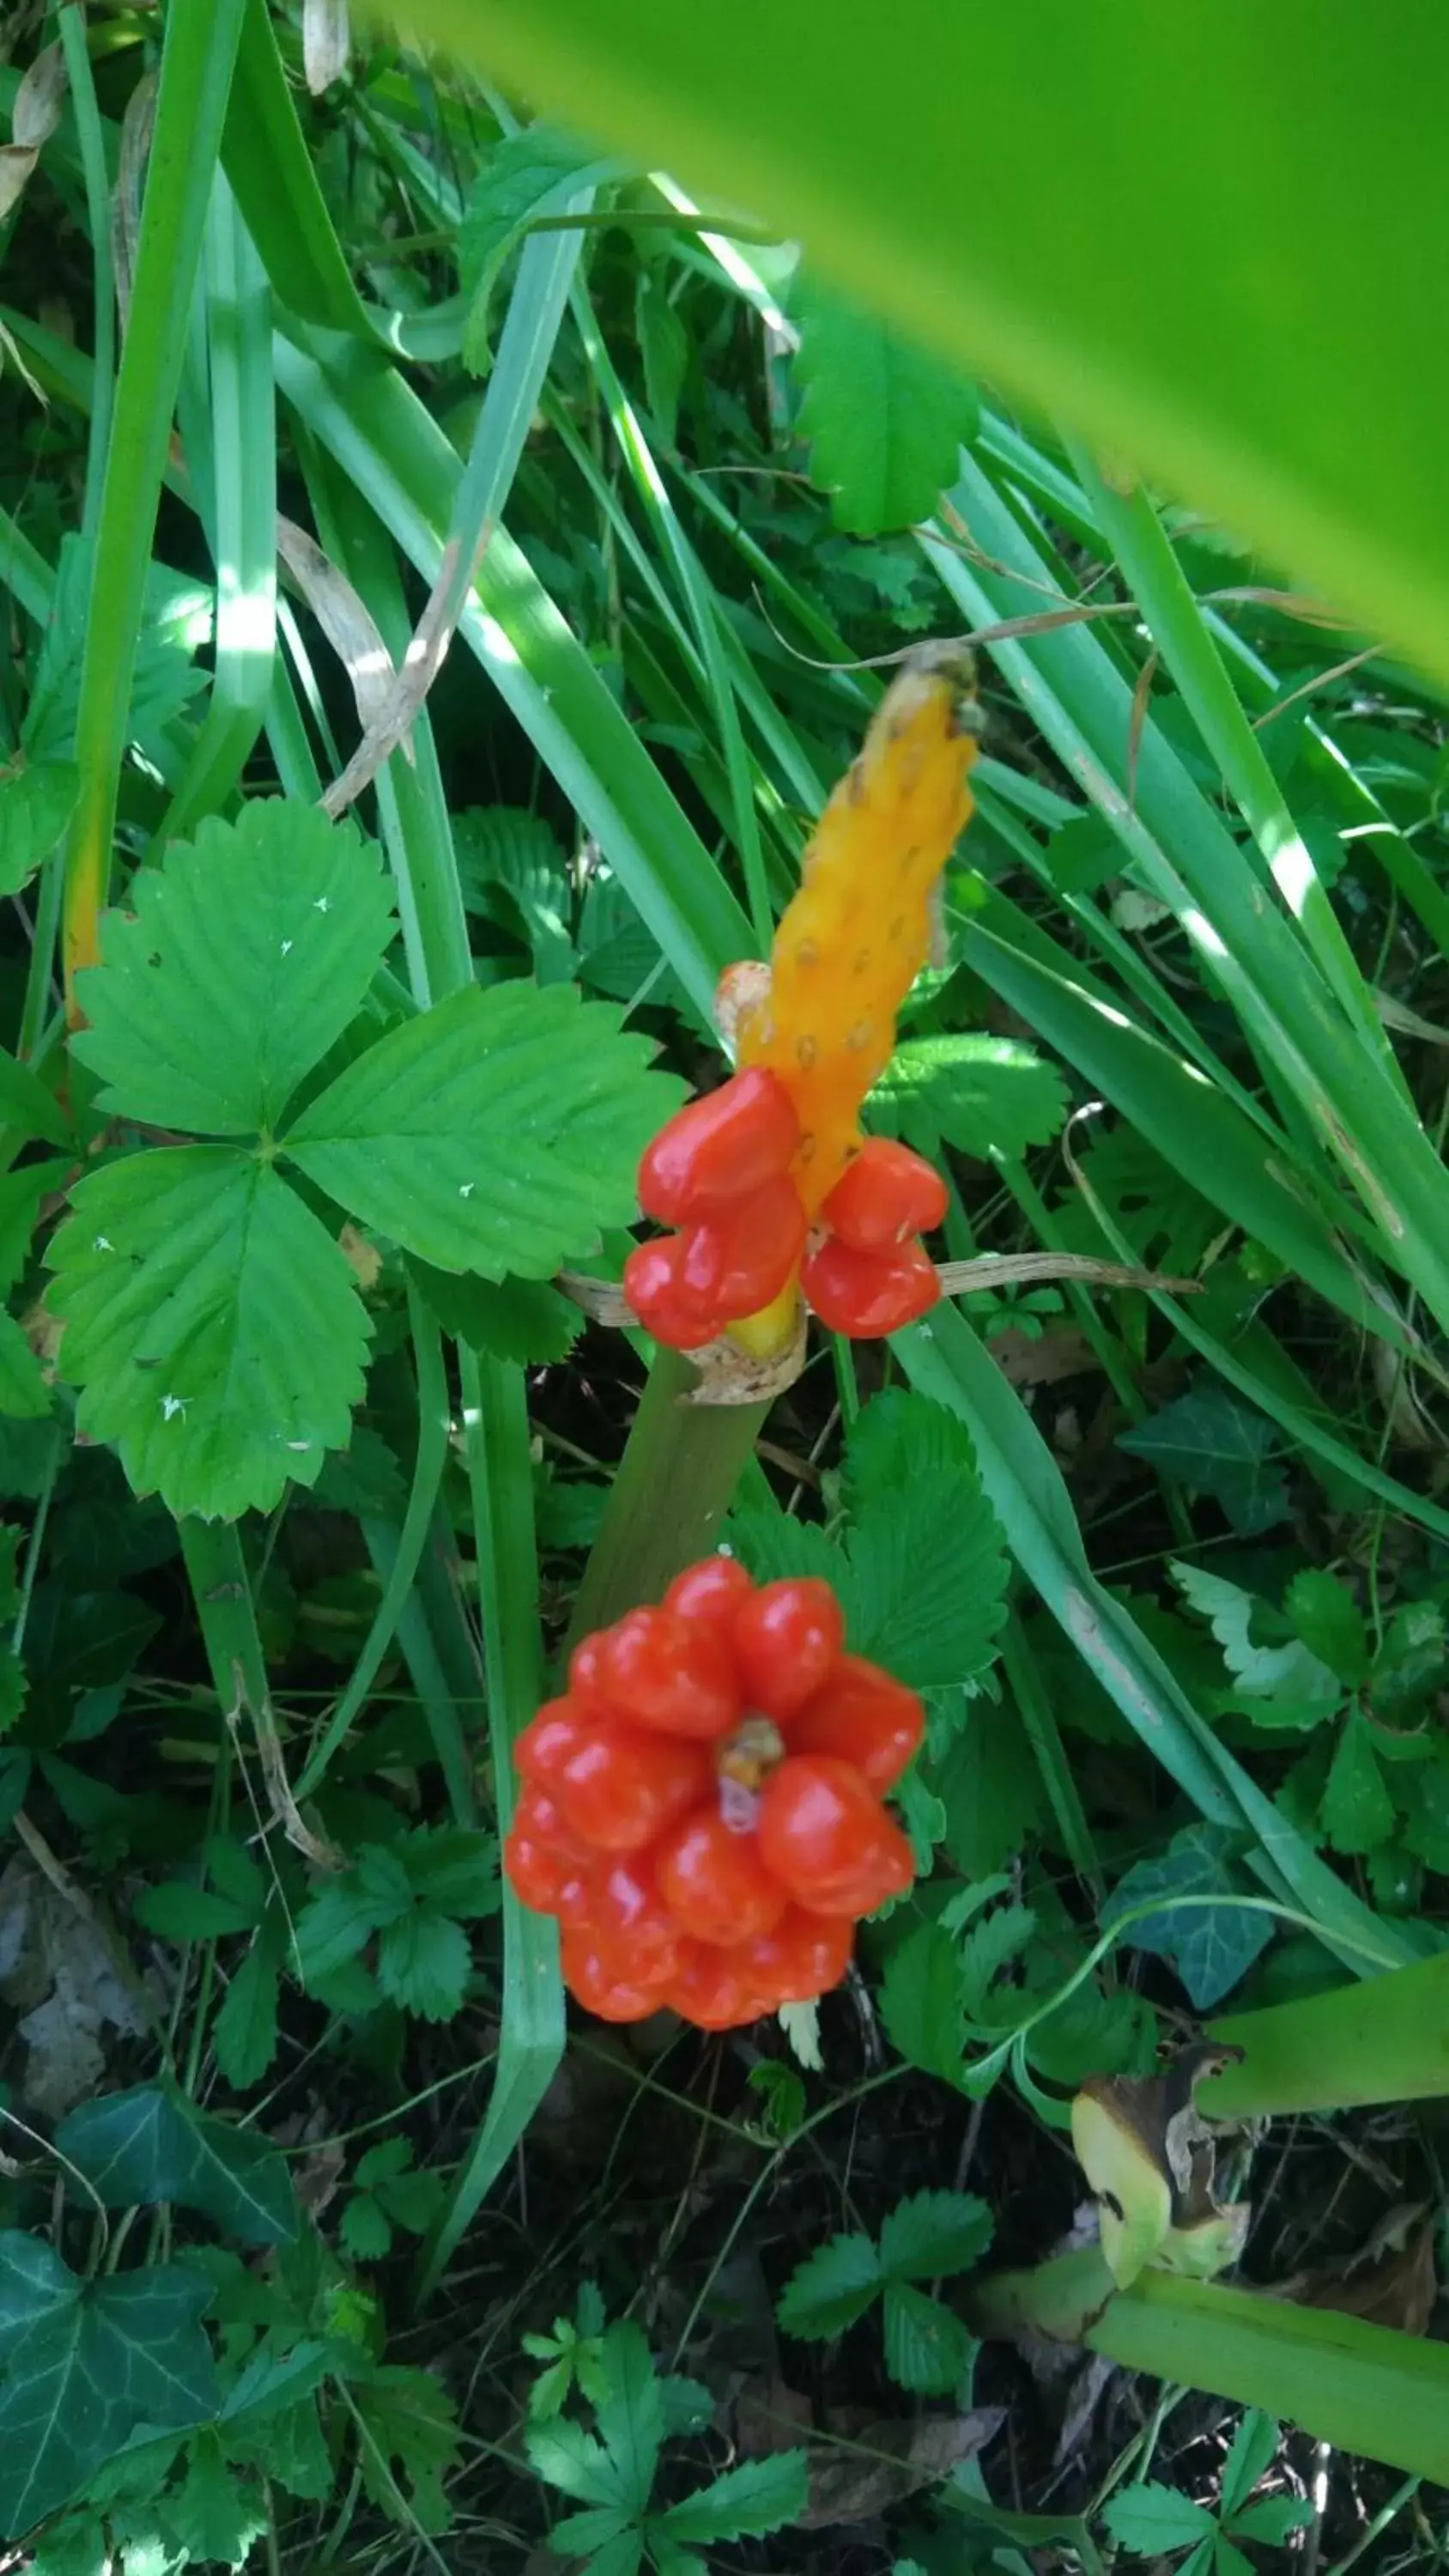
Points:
x=97 y=2361
x=922 y=2002
x=36 y=803
x=884 y=418
x=528 y=174
x=758 y=2496
x=499 y=1131
x=212 y=1326
x=984 y=1095
x=934 y=2234
x=927 y=2346
x=1357 y=1812
x=1216 y=1445
x=423 y=1963
x=149 y=2145
x=831 y=2289
x=1210 y=1947
x=1324 y=1613
x=233 y=969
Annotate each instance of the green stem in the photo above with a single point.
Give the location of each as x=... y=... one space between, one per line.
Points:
x=680 y=1466
x=196 y=66
x=72 y=25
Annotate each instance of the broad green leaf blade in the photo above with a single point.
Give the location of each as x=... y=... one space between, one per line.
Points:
x=830 y=2289
x=927 y=2347
x=758 y=2496
x=927 y=1584
x=524 y=1320
x=884 y=417
x=932 y=2234
x=212 y=1326
x=499 y=1131
x=923 y=2002
x=244 y=2033
x=1357 y=1811
x=532 y=173
x=27 y=1105
x=1150 y=2518
x=1330 y=1623
x=234 y=968
x=24 y=1395
x=1254 y=2448
x=36 y=803
x=1210 y=1947
x=423 y=1964
x=34 y=2284
x=150 y=2145
x=123 y=2351
x=985 y=1095
x=1242 y=400
x=1214 y=1445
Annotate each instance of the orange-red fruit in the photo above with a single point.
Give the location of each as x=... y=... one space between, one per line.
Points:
x=869 y=1294
x=628 y=1915
x=866 y=1717
x=652 y=1289
x=825 y=1836
x=594 y=1976
x=786 y=1639
x=804 y=1956
x=539 y=1872
x=719 y=1148
x=714 y=1882
x=622 y=1786
x=660 y=1671
x=711 y=1991
x=738 y=1260
x=884 y=1197
x=709 y=1594
x=549 y=1738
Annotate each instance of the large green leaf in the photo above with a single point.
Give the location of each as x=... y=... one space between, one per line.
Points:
x=988 y=177
x=499 y=1131
x=528 y=174
x=883 y=417
x=36 y=804
x=86 y=2364
x=149 y=2145
x=233 y=969
x=211 y=1324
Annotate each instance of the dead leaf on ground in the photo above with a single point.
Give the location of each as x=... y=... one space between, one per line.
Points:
x=893 y=2461
x=56 y=1973
x=1041 y=1359
x=1390 y=2281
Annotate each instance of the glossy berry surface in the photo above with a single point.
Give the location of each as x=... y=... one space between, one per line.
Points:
x=701 y=1810
x=885 y=1197
x=869 y=1294
x=719 y=1149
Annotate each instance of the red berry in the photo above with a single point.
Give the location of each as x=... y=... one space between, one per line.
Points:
x=786 y=1638
x=714 y=1882
x=539 y=1810
x=539 y=1873
x=549 y=1738
x=869 y=1294
x=651 y=1287
x=709 y=1594
x=594 y=1976
x=719 y=1148
x=629 y=1916
x=827 y=1839
x=659 y=1671
x=804 y=1956
x=622 y=1786
x=885 y=1197
x=710 y=1990
x=866 y=1717
x=738 y=1260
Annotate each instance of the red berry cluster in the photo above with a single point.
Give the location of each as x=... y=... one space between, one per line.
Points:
x=702 y=1808
x=720 y=1173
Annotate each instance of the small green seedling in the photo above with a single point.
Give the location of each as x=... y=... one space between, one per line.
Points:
x=1153 y=2521
x=931 y=2235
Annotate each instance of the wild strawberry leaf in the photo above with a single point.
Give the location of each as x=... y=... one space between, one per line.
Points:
x=24 y=1395
x=499 y=1131
x=212 y=1326
x=1357 y=1810
x=36 y=804
x=757 y=2496
x=233 y=969
x=884 y=418
x=832 y=2287
x=982 y=1094
x=527 y=174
